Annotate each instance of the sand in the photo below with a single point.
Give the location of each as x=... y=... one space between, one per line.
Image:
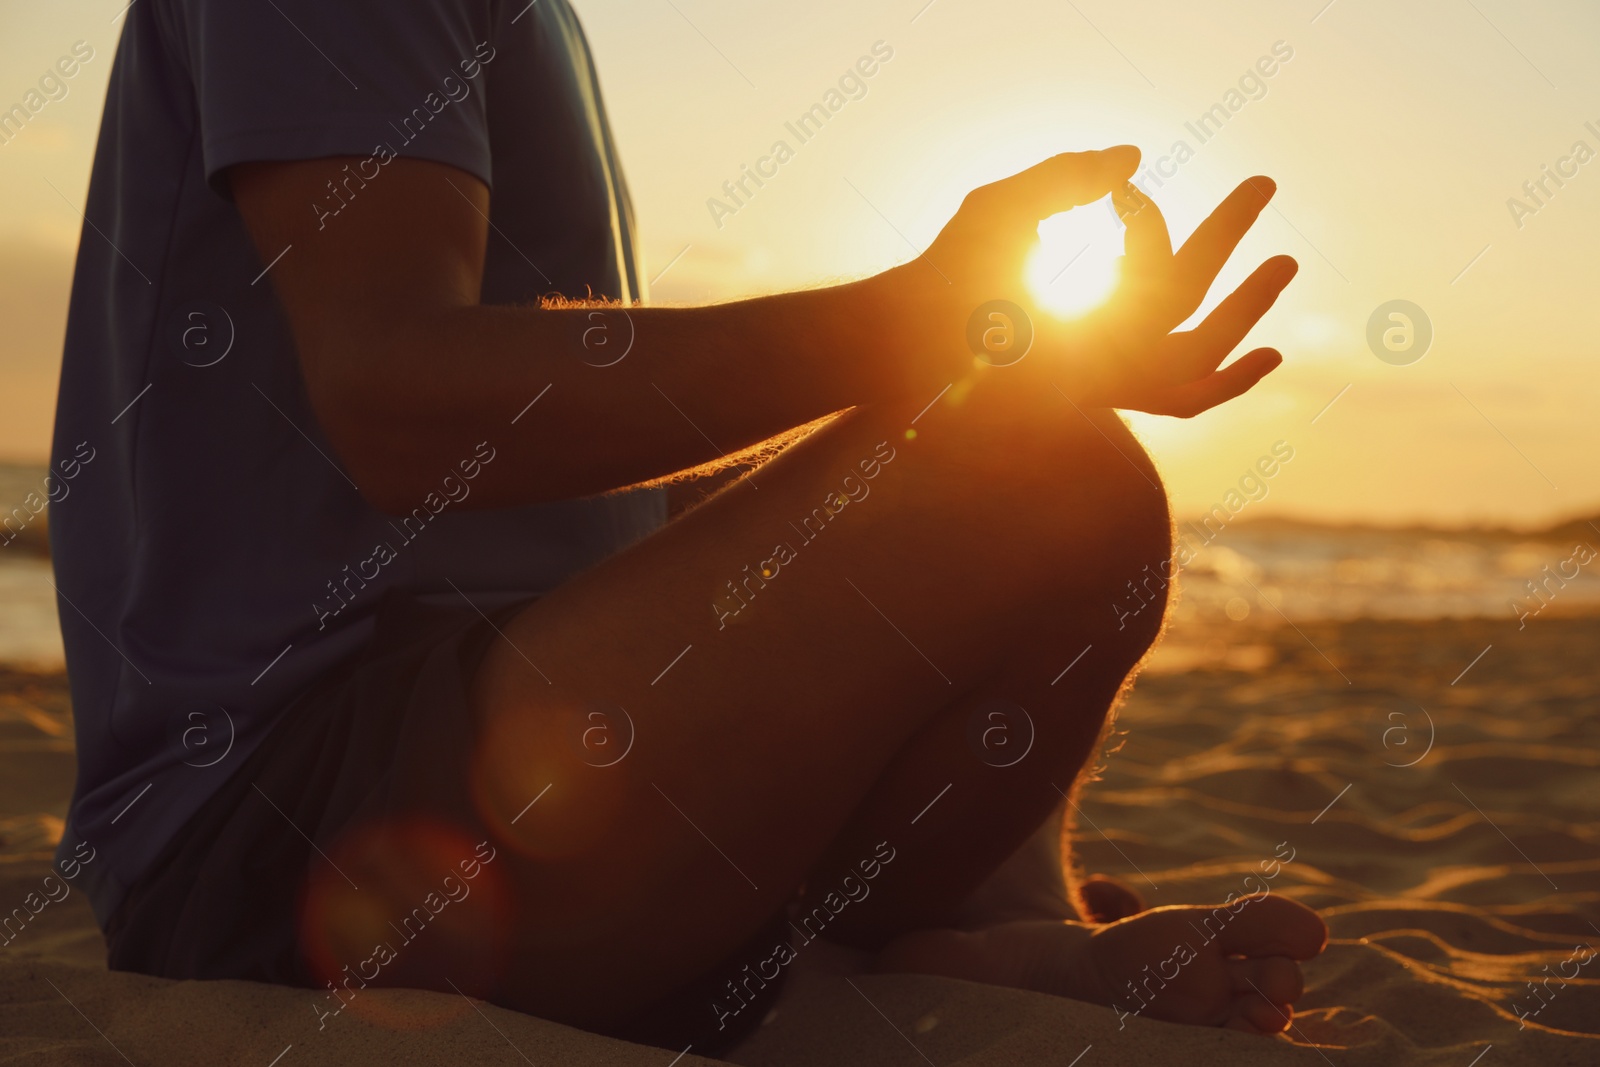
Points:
x=1448 y=884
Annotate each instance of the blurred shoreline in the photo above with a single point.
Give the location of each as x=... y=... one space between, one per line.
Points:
x=1248 y=574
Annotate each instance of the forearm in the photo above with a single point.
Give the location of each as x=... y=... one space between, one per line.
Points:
x=618 y=395
x=408 y=371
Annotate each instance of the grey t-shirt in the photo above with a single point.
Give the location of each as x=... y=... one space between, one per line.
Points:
x=213 y=559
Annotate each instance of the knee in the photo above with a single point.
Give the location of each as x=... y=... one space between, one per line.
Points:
x=1127 y=570
x=1075 y=500
x=1119 y=494
x=1137 y=506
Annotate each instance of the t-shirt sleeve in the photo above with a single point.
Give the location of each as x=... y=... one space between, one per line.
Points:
x=306 y=79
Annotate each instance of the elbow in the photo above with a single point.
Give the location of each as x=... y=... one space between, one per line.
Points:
x=381 y=478
x=399 y=458
x=364 y=443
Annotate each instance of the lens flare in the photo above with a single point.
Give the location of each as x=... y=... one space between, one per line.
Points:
x=1075 y=267
x=555 y=782
x=396 y=902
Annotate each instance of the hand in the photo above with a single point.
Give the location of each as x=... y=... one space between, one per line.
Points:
x=1124 y=354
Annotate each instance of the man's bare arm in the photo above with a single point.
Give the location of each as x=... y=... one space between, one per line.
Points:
x=407 y=370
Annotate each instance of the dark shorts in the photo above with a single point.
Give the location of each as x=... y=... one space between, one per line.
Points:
x=385 y=737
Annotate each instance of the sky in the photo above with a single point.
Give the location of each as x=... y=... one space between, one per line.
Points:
x=1399 y=136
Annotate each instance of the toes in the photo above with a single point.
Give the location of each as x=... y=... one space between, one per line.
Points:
x=1105 y=900
x=1266 y=925
x=1275 y=978
x=1266 y=990
x=1260 y=1015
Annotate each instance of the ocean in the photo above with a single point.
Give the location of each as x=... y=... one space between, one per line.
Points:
x=1264 y=572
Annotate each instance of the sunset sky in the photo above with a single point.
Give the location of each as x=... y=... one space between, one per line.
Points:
x=1397 y=135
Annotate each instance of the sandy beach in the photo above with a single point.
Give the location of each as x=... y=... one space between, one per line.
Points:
x=1450 y=833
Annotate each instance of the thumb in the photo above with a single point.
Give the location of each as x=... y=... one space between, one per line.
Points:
x=1060 y=183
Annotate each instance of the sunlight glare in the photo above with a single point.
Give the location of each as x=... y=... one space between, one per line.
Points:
x=1075 y=266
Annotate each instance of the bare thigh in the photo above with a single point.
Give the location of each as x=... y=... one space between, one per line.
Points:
x=787 y=670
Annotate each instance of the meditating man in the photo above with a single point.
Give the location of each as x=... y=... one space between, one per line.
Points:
x=389 y=669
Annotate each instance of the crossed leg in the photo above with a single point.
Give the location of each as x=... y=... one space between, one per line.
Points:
x=840 y=707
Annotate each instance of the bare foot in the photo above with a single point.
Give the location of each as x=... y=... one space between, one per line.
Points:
x=1230 y=965
x=1102 y=899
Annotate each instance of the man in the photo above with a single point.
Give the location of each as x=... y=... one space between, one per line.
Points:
x=387 y=670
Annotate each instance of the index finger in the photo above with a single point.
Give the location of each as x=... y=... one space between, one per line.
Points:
x=1148 y=262
x=1147 y=243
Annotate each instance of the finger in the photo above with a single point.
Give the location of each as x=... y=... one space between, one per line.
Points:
x=1277 y=978
x=1213 y=241
x=1190 y=399
x=1147 y=242
x=1148 y=239
x=1060 y=183
x=1146 y=267
x=1148 y=293
x=1201 y=349
x=1262 y=924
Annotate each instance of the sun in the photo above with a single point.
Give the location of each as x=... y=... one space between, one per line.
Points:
x=1075 y=266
